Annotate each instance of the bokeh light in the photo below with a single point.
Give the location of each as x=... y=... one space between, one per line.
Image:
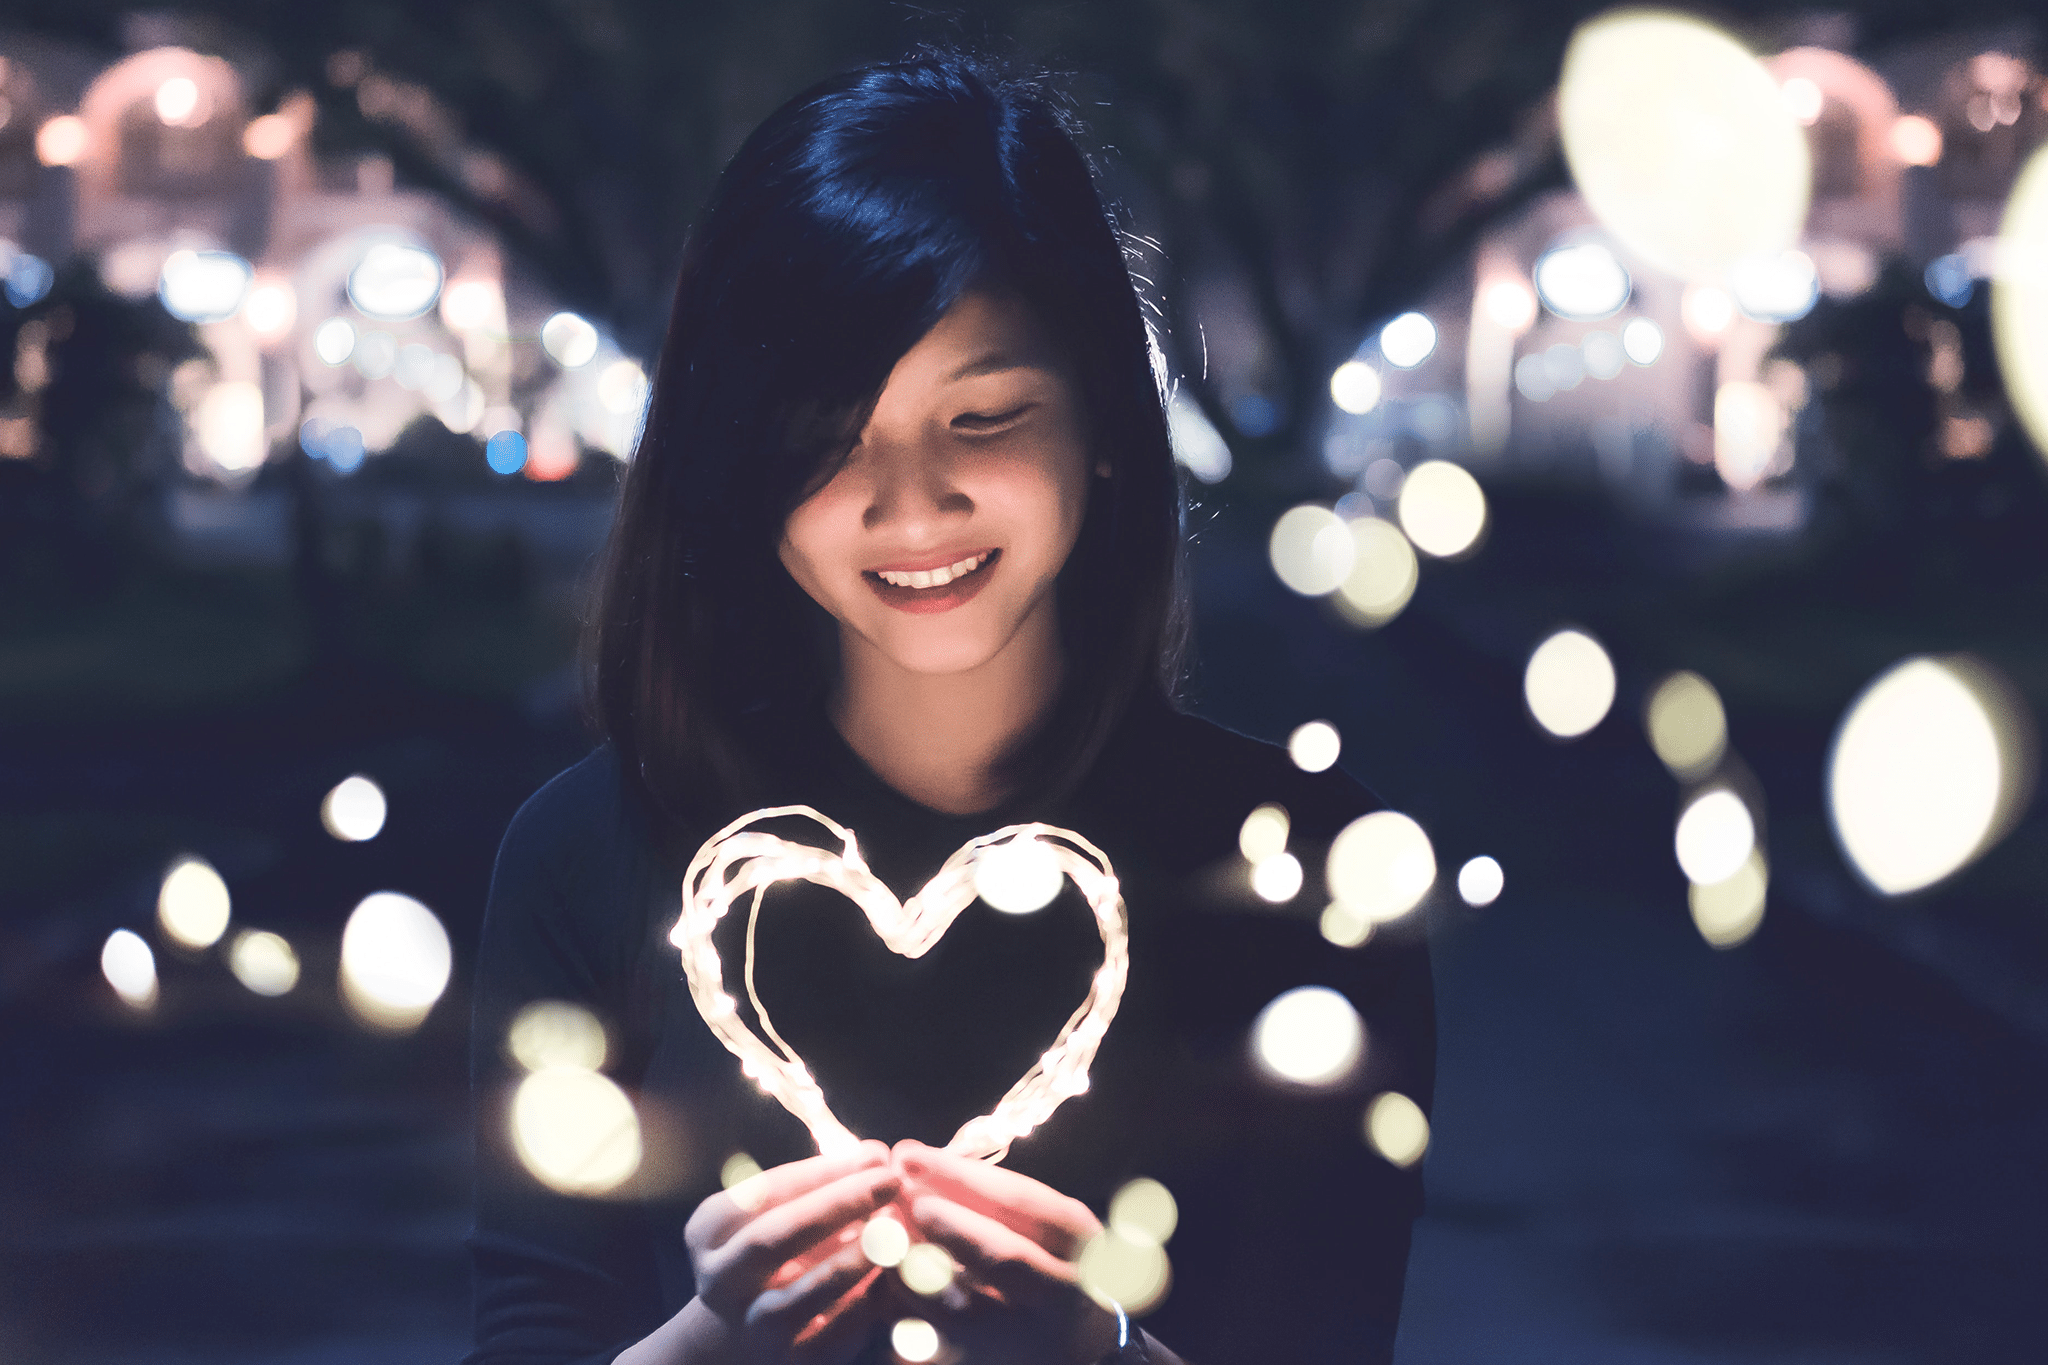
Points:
x=1480 y=881
x=192 y=905
x=1681 y=142
x=1749 y=426
x=927 y=1269
x=1643 y=341
x=177 y=100
x=1687 y=726
x=1018 y=877
x=1277 y=879
x=1929 y=764
x=473 y=304
x=271 y=308
x=622 y=387
x=1408 y=340
x=1727 y=912
x=1144 y=1210
x=334 y=341
x=1310 y=1035
x=505 y=452
x=264 y=962
x=130 y=968
x=395 y=281
x=1381 y=865
x=1314 y=747
x=1344 y=924
x=1130 y=1273
x=1383 y=573
x=1716 y=834
x=1804 y=99
x=227 y=424
x=2019 y=298
x=203 y=286
x=1916 y=140
x=1779 y=286
x=269 y=137
x=1509 y=304
x=575 y=1131
x=915 y=1340
x=1264 y=832
x=1569 y=683
x=395 y=961
x=884 y=1240
x=1355 y=387
x=1707 y=310
x=556 y=1033
x=569 y=340
x=737 y=1169
x=354 y=810
x=1396 y=1128
x=1442 y=509
x=1311 y=550
x=1604 y=355
x=63 y=140
x=1582 y=282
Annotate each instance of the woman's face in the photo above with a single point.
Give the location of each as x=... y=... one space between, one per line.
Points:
x=941 y=535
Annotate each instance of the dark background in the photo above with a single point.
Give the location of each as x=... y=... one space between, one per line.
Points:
x=1822 y=1146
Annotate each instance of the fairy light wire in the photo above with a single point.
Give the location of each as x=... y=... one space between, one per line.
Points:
x=741 y=859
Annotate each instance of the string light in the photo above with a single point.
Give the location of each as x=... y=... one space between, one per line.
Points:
x=740 y=859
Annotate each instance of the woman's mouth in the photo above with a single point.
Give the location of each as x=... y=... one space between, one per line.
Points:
x=935 y=589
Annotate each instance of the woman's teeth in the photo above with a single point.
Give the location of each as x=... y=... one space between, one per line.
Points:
x=934 y=578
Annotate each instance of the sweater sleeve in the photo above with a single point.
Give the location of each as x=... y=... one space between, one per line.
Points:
x=556 y=1278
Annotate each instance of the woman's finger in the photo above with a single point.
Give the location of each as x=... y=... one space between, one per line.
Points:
x=750 y=1258
x=1015 y=1266
x=1055 y=1221
x=723 y=1214
x=824 y=1308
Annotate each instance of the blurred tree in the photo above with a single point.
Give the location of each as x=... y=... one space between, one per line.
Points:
x=1318 y=162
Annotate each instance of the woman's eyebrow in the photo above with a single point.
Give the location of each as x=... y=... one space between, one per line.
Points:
x=995 y=362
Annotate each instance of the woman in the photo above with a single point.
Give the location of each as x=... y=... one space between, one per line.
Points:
x=901 y=542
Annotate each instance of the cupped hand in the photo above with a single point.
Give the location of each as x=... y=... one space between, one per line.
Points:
x=1019 y=1298
x=778 y=1258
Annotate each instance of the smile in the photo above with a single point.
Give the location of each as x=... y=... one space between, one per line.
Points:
x=921 y=591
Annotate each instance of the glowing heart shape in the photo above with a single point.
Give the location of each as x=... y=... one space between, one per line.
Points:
x=740 y=859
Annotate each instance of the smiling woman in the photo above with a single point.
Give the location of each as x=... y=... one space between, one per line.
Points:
x=900 y=548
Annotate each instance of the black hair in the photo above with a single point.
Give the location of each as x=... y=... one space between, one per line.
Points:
x=839 y=233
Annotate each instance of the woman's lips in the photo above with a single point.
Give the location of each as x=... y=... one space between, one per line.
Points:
x=924 y=601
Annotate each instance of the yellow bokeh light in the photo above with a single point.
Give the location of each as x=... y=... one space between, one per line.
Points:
x=1706 y=310
x=556 y=1033
x=177 y=100
x=1117 y=1269
x=1277 y=879
x=270 y=308
x=1396 y=1128
x=62 y=141
x=1264 y=833
x=1727 y=912
x=227 y=423
x=1383 y=573
x=927 y=1269
x=1345 y=924
x=1916 y=140
x=569 y=340
x=1687 y=726
x=130 y=968
x=1018 y=877
x=1509 y=304
x=1355 y=387
x=2019 y=298
x=1381 y=865
x=192 y=905
x=1749 y=426
x=1681 y=142
x=1310 y=1035
x=1311 y=550
x=469 y=305
x=1442 y=509
x=915 y=1340
x=395 y=961
x=269 y=137
x=264 y=962
x=354 y=810
x=738 y=1168
x=1716 y=834
x=1927 y=769
x=1569 y=683
x=575 y=1131
x=884 y=1240
x=1144 y=1210
x=1314 y=747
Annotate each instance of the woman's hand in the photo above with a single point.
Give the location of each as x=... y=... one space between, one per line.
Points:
x=1020 y=1297
x=779 y=1264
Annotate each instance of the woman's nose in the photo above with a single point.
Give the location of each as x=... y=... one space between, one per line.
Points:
x=913 y=491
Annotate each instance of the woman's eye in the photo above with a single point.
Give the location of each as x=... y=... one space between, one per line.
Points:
x=989 y=421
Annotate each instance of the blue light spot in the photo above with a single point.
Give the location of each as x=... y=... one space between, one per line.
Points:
x=1948 y=279
x=1255 y=414
x=28 y=279
x=506 y=452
